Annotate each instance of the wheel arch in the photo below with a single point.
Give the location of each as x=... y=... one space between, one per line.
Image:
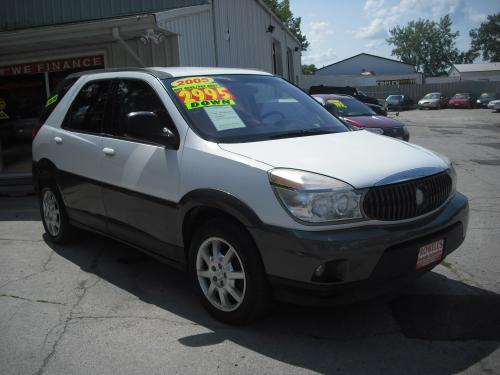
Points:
x=44 y=171
x=203 y=205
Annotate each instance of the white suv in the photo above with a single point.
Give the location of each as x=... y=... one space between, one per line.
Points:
x=245 y=181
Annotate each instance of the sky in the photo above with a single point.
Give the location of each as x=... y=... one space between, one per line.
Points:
x=338 y=29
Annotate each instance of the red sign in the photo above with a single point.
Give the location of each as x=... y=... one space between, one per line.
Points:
x=72 y=63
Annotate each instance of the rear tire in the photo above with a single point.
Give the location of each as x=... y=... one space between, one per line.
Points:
x=54 y=217
x=227 y=273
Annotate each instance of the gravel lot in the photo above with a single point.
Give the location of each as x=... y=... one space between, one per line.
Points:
x=97 y=306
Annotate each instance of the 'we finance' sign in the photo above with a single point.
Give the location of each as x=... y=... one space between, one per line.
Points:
x=72 y=63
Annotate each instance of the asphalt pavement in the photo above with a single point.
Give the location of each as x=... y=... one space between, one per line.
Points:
x=99 y=307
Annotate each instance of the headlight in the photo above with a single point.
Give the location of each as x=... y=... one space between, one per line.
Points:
x=315 y=198
x=375 y=130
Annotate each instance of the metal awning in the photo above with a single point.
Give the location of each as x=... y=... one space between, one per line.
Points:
x=75 y=34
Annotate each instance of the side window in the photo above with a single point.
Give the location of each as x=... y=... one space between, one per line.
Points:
x=56 y=96
x=132 y=95
x=88 y=109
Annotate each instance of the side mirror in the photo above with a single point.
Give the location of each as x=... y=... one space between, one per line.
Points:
x=147 y=126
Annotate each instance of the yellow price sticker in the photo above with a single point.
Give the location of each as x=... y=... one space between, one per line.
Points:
x=337 y=103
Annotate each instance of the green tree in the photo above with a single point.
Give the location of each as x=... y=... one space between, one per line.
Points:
x=282 y=10
x=428 y=45
x=486 y=38
x=308 y=69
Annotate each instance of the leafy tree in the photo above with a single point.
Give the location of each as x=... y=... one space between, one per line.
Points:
x=428 y=45
x=466 y=57
x=308 y=69
x=282 y=10
x=486 y=38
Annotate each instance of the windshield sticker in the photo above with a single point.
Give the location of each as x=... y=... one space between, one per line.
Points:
x=337 y=103
x=51 y=100
x=199 y=92
x=224 y=118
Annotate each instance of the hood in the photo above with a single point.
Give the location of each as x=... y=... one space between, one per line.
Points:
x=373 y=121
x=458 y=100
x=428 y=100
x=359 y=158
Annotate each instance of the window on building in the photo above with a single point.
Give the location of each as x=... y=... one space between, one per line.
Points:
x=277 y=59
x=21 y=100
x=133 y=95
x=88 y=109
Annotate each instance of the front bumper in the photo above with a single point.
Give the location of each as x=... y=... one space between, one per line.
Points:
x=365 y=261
x=428 y=105
x=460 y=105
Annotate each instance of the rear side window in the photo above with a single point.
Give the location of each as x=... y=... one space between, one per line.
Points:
x=132 y=95
x=56 y=96
x=87 y=112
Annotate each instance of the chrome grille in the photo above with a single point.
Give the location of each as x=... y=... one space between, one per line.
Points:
x=407 y=199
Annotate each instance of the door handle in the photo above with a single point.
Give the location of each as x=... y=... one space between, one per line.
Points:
x=58 y=140
x=108 y=151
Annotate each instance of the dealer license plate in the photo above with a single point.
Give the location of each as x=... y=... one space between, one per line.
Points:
x=430 y=253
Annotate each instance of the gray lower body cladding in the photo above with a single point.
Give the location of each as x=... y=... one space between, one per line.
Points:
x=362 y=261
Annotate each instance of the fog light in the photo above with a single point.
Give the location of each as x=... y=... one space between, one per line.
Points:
x=319 y=271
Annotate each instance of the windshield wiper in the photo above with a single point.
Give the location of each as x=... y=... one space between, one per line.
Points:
x=300 y=133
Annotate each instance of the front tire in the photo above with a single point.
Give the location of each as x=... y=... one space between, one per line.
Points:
x=227 y=273
x=54 y=217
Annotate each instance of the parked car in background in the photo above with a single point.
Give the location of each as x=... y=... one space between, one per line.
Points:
x=485 y=98
x=494 y=104
x=399 y=102
x=361 y=117
x=434 y=100
x=461 y=100
x=370 y=101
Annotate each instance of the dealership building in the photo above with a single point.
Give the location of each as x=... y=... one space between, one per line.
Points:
x=42 y=41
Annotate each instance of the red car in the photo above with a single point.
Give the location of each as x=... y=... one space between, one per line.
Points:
x=462 y=100
x=359 y=116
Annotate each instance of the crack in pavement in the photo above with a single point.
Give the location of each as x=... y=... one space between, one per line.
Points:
x=44 y=269
x=20 y=239
x=32 y=300
x=81 y=291
x=103 y=317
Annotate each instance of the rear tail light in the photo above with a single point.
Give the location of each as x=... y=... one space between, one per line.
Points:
x=35 y=129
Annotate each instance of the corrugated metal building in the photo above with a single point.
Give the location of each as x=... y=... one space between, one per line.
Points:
x=41 y=41
x=368 y=64
x=364 y=69
x=476 y=72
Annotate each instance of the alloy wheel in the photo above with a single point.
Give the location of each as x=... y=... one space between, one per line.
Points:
x=221 y=274
x=51 y=213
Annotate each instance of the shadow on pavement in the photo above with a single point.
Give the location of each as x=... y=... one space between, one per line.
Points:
x=23 y=208
x=372 y=337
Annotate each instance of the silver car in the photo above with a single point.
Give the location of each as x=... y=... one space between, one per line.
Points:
x=494 y=104
x=434 y=100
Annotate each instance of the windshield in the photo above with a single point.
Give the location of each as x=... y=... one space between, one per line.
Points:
x=247 y=108
x=432 y=96
x=394 y=98
x=487 y=95
x=461 y=96
x=348 y=107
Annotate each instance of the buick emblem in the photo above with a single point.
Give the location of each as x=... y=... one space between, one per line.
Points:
x=419 y=196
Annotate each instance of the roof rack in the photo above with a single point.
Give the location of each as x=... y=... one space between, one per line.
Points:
x=154 y=72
